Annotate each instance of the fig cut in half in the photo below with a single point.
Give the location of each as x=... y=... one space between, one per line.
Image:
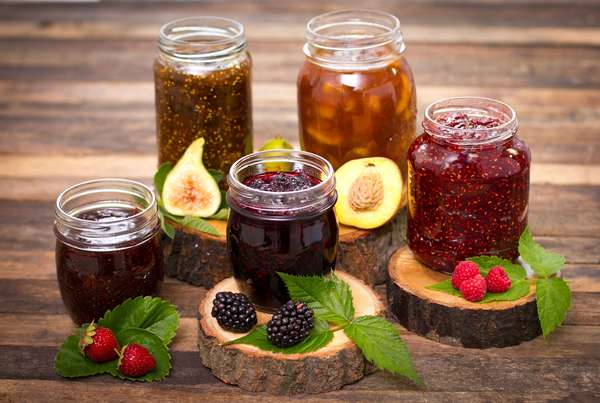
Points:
x=369 y=192
x=189 y=189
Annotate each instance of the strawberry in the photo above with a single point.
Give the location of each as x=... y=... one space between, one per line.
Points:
x=99 y=344
x=463 y=271
x=497 y=280
x=474 y=288
x=135 y=360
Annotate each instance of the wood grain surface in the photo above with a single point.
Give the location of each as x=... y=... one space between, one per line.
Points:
x=76 y=102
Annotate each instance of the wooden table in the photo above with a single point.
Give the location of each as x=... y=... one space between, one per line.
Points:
x=76 y=102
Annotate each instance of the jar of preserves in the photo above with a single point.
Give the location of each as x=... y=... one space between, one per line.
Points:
x=107 y=246
x=356 y=93
x=282 y=219
x=202 y=80
x=468 y=183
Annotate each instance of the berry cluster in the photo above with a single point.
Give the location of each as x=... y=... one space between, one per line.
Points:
x=473 y=287
x=234 y=312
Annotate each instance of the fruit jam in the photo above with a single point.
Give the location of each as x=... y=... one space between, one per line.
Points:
x=468 y=183
x=105 y=254
x=280 y=222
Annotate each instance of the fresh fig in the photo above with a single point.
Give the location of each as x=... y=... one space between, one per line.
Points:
x=369 y=192
x=276 y=143
x=189 y=189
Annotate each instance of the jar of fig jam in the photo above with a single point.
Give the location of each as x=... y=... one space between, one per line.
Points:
x=282 y=220
x=202 y=89
x=356 y=93
x=107 y=246
x=468 y=183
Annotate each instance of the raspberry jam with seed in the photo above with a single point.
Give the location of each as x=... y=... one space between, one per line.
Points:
x=280 y=221
x=468 y=183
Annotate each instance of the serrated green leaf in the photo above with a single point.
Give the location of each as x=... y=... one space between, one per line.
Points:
x=444 y=286
x=160 y=176
x=381 y=344
x=553 y=301
x=329 y=297
x=199 y=224
x=156 y=347
x=70 y=363
x=150 y=313
x=222 y=214
x=319 y=337
x=515 y=272
x=517 y=290
x=542 y=262
x=217 y=174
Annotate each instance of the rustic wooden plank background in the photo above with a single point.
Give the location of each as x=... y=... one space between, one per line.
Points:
x=76 y=102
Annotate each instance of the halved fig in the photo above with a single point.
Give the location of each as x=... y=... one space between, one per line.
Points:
x=369 y=192
x=189 y=189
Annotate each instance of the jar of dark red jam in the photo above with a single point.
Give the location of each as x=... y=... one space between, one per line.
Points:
x=468 y=183
x=282 y=220
x=107 y=246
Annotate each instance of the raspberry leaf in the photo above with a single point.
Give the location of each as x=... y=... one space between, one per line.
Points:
x=517 y=290
x=319 y=337
x=329 y=297
x=70 y=363
x=150 y=313
x=542 y=262
x=444 y=286
x=553 y=301
x=485 y=263
x=156 y=347
x=381 y=344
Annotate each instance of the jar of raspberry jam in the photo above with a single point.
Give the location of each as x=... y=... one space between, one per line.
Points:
x=282 y=220
x=468 y=183
x=107 y=246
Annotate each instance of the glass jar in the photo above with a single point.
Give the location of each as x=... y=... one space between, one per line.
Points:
x=294 y=232
x=468 y=183
x=356 y=93
x=202 y=89
x=107 y=246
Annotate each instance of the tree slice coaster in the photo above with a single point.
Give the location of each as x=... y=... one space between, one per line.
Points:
x=201 y=259
x=337 y=364
x=453 y=320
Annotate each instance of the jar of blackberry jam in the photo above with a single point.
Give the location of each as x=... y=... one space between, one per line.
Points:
x=282 y=220
x=468 y=183
x=107 y=246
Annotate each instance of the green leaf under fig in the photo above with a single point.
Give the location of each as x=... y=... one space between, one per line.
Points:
x=542 y=262
x=217 y=174
x=329 y=297
x=166 y=227
x=199 y=224
x=381 y=344
x=553 y=301
x=222 y=214
x=156 y=347
x=70 y=363
x=319 y=337
x=150 y=313
x=160 y=176
x=515 y=271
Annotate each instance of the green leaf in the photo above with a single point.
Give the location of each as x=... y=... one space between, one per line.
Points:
x=166 y=227
x=485 y=263
x=156 y=347
x=329 y=297
x=446 y=287
x=222 y=214
x=70 y=363
x=381 y=344
x=160 y=176
x=319 y=337
x=199 y=224
x=542 y=262
x=150 y=313
x=517 y=290
x=217 y=174
x=553 y=301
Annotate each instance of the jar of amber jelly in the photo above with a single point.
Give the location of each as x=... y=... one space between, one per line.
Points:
x=107 y=246
x=468 y=183
x=356 y=93
x=202 y=89
x=282 y=219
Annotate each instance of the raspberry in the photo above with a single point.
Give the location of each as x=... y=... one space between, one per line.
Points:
x=463 y=271
x=497 y=280
x=473 y=289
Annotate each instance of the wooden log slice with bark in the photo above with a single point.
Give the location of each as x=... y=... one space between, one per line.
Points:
x=337 y=364
x=453 y=320
x=201 y=259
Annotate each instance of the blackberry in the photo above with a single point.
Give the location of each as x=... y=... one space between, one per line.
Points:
x=234 y=312
x=290 y=325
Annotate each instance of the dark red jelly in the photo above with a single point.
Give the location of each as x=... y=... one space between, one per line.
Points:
x=468 y=183
x=292 y=229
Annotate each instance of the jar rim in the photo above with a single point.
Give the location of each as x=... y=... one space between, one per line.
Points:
x=455 y=135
